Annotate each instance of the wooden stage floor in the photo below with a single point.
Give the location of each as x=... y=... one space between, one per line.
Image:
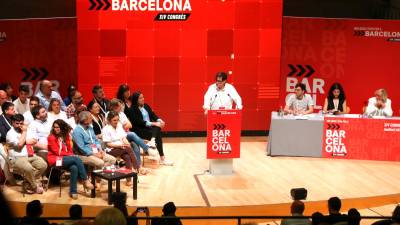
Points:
x=258 y=180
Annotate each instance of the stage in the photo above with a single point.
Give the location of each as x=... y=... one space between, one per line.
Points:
x=260 y=184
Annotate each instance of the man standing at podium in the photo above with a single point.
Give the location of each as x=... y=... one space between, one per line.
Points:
x=221 y=95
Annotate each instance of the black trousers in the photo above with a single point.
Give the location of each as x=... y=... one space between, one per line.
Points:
x=151 y=132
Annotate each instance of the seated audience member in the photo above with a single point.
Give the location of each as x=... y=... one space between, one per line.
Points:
x=99 y=97
x=124 y=95
x=119 y=201
x=354 y=217
x=395 y=218
x=21 y=104
x=71 y=91
x=147 y=125
x=77 y=102
x=6 y=214
x=3 y=98
x=45 y=94
x=133 y=138
x=33 y=101
x=334 y=205
x=23 y=160
x=114 y=137
x=5 y=119
x=296 y=209
x=38 y=131
x=34 y=210
x=335 y=102
x=318 y=219
x=75 y=214
x=168 y=210
x=110 y=216
x=61 y=155
x=7 y=87
x=73 y=121
x=299 y=103
x=54 y=111
x=87 y=145
x=98 y=120
x=380 y=105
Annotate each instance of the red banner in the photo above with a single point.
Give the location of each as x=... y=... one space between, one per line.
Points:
x=361 y=138
x=223 y=134
x=357 y=53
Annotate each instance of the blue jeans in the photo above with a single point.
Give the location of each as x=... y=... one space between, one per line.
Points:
x=136 y=151
x=76 y=168
x=132 y=136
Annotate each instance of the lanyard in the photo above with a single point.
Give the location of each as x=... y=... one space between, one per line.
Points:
x=87 y=133
x=6 y=121
x=97 y=122
x=60 y=143
x=102 y=105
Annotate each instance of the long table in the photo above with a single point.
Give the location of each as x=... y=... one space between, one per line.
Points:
x=349 y=136
x=295 y=136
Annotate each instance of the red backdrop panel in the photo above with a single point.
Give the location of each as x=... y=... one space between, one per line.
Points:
x=44 y=48
x=173 y=62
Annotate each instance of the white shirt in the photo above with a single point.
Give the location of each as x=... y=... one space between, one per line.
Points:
x=300 y=104
x=13 y=139
x=71 y=122
x=28 y=118
x=112 y=135
x=122 y=118
x=39 y=130
x=374 y=111
x=62 y=115
x=216 y=99
x=20 y=107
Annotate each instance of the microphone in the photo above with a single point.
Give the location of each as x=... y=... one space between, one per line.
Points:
x=232 y=99
x=212 y=102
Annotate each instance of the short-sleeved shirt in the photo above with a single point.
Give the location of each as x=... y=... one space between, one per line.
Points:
x=13 y=139
x=112 y=135
x=300 y=104
x=39 y=130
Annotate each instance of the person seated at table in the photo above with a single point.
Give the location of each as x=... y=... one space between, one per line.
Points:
x=114 y=137
x=335 y=102
x=380 y=105
x=299 y=103
x=61 y=154
x=54 y=110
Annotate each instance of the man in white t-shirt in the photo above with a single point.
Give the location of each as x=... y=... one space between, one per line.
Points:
x=22 y=158
x=39 y=130
x=299 y=103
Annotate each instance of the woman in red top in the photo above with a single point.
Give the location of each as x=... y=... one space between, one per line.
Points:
x=60 y=154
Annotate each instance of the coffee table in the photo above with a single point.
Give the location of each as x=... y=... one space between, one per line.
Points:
x=114 y=176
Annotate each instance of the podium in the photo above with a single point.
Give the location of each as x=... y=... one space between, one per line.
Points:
x=223 y=139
